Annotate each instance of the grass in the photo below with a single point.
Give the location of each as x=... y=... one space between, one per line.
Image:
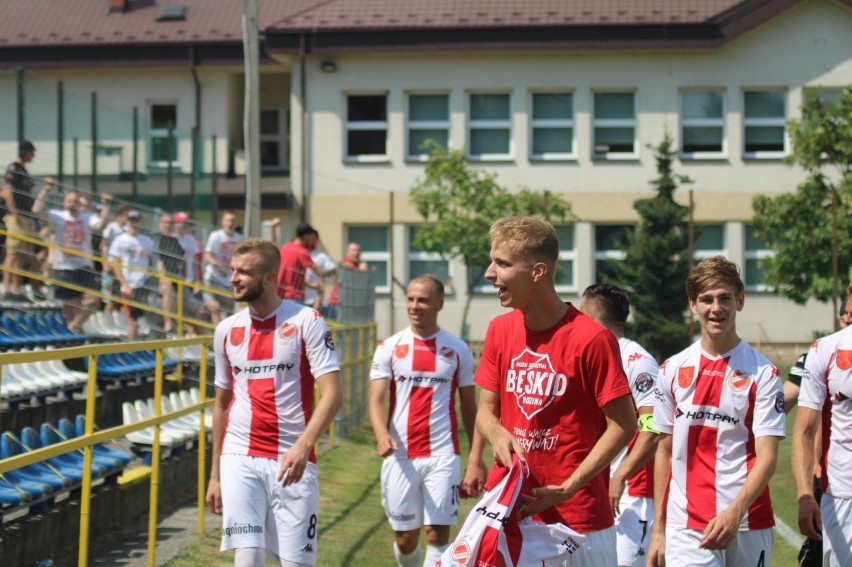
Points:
x=353 y=529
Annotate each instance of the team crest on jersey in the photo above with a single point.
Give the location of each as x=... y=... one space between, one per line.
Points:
x=287 y=331
x=644 y=382
x=447 y=352
x=329 y=340
x=534 y=382
x=844 y=359
x=779 y=402
x=460 y=552
x=237 y=335
x=400 y=351
x=739 y=380
x=685 y=375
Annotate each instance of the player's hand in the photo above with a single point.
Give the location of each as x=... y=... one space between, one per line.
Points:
x=504 y=444
x=721 y=530
x=544 y=498
x=106 y=199
x=386 y=446
x=810 y=517
x=293 y=463
x=616 y=489
x=214 y=497
x=657 y=548
x=49 y=183
x=474 y=478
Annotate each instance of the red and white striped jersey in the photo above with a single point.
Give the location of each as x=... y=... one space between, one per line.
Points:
x=425 y=374
x=271 y=365
x=641 y=369
x=715 y=407
x=828 y=379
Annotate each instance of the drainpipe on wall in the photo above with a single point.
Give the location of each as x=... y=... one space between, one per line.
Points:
x=303 y=130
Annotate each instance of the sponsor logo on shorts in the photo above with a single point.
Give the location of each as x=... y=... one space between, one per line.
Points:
x=287 y=331
x=570 y=545
x=402 y=517
x=308 y=548
x=739 y=380
x=237 y=335
x=534 y=381
x=779 y=402
x=644 y=382
x=242 y=529
x=460 y=552
x=685 y=376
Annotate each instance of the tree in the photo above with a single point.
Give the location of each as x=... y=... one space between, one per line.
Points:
x=657 y=262
x=459 y=205
x=810 y=230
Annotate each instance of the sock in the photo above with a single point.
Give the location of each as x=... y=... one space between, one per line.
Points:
x=410 y=560
x=433 y=553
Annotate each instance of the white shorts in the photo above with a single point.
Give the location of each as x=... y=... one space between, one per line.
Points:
x=749 y=549
x=836 y=531
x=421 y=491
x=633 y=530
x=597 y=551
x=257 y=511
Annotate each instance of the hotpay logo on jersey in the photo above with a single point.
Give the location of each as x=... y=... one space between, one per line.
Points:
x=534 y=381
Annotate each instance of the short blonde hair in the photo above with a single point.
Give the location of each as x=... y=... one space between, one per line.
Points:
x=535 y=239
x=270 y=257
x=713 y=272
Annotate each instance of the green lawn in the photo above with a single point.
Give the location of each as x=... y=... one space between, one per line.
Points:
x=353 y=530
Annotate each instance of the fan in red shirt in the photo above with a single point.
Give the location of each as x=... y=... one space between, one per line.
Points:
x=295 y=260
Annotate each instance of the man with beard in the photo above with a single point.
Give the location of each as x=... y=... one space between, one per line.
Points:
x=269 y=356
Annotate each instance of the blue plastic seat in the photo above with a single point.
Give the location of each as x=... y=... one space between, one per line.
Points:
x=15 y=335
x=66 y=466
x=36 y=473
x=78 y=428
x=11 y=496
x=27 y=322
x=32 y=489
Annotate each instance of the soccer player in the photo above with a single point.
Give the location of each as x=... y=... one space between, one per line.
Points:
x=269 y=356
x=720 y=413
x=422 y=367
x=217 y=258
x=553 y=390
x=609 y=305
x=824 y=399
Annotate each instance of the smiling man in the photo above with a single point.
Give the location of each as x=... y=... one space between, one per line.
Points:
x=422 y=367
x=554 y=390
x=720 y=414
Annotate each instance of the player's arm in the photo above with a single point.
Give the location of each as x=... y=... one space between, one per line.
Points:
x=804 y=435
x=620 y=428
x=220 y=415
x=489 y=426
x=639 y=455
x=295 y=460
x=385 y=443
x=791 y=395
x=474 y=473
x=662 y=475
x=322 y=272
x=722 y=529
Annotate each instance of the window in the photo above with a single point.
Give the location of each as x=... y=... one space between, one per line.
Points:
x=763 y=120
x=552 y=126
x=755 y=250
x=702 y=124
x=428 y=119
x=565 y=274
x=274 y=146
x=421 y=262
x=375 y=251
x=709 y=241
x=366 y=128
x=163 y=118
x=610 y=240
x=490 y=124
x=615 y=125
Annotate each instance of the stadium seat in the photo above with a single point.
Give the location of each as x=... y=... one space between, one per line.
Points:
x=38 y=473
x=106 y=460
x=70 y=430
x=183 y=434
x=176 y=402
x=188 y=400
x=11 y=495
x=66 y=466
x=131 y=415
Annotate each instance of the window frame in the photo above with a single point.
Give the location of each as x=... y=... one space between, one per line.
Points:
x=766 y=122
x=413 y=255
x=755 y=254
x=375 y=256
x=496 y=125
x=704 y=123
x=163 y=133
x=616 y=123
x=698 y=255
x=566 y=255
x=554 y=123
x=364 y=125
x=282 y=138
x=410 y=153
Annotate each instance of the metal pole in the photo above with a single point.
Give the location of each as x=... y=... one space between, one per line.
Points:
x=94 y=143
x=20 y=101
x=251 y=118
x=169 y=150
x=194 y=175
x=60 y=131
x=134 y=184
x=214 y=180
x=76 y=162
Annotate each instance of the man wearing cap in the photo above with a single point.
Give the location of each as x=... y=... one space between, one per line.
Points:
x=16 y=191
x=131 y=254
x=295 y=261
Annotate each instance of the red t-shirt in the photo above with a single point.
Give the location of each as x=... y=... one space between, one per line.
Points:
x=552 y=385
x=295 y=259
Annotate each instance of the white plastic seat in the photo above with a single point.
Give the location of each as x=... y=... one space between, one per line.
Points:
x=192 y=397
x=9 y=386
x=175 y=431
x=190 y=422
x=26 y=377
x=130 y=415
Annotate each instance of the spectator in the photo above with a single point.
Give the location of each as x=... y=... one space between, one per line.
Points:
x=109 y=285
x=352 y=261
x=571 y=420
x=130 y=253
x=217 y=270
x=16 y=191
x=418 y=440
x=170 y=262
x=295 y=260
x=192 y=255
x=73 y=229
x=314 y=284
x=720 y=413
